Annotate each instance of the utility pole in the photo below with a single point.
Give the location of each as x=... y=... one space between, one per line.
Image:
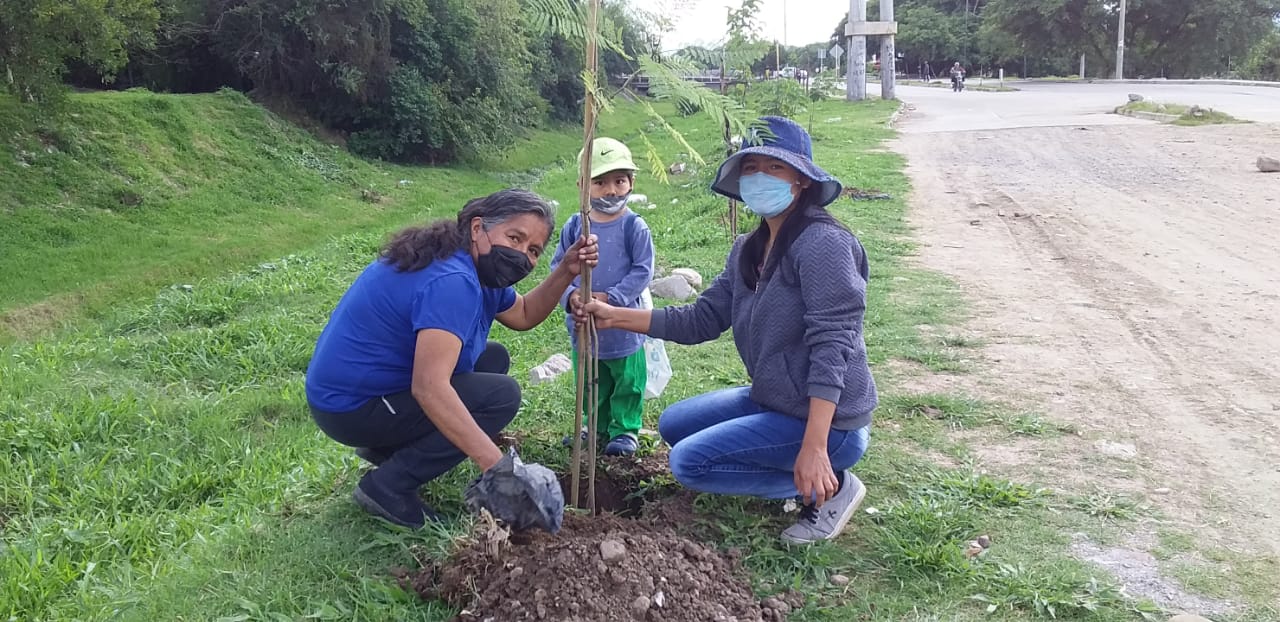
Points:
x=856 y=81
x=1124 y=8
x=888 y=55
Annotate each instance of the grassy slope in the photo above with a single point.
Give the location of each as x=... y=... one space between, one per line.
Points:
x=129 y=192
x=159 y=464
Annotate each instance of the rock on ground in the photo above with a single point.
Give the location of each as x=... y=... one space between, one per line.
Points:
x=1116 y=450
x=550 y=369
x=672 y=288
x=1268 y=165
x=689 y=275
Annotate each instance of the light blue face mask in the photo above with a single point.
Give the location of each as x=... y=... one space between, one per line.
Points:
x=765 y=194
x=610 y=205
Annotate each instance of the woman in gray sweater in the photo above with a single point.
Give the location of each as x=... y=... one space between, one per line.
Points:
x=794 y=293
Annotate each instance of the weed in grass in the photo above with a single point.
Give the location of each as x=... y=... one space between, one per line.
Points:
x=1108 y=505
x=1050 y=594
x=961 y=341
x=979 y=491
x=923 y=538
x=959 y=411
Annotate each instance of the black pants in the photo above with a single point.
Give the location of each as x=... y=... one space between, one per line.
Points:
x=417 y=452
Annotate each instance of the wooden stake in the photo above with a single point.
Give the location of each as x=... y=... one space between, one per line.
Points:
x=585 y=401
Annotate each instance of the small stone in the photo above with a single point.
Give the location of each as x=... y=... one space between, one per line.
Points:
x=637 y=198
x=1134 y=97
x=672 y=288
x=640 y=606
x=1268 y=165
x=659 y=600
x=689 y=275
x=1189 y=617
x=1116 y=450
x=984 y=541
x=975 y=222
x=550 y=369
x=613 y=551
x=839 y=580
x=776 y=605
x=677 y=168
x=1162 y=491
x=516 y=572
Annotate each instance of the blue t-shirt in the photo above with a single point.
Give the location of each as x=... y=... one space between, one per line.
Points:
x=366 y=350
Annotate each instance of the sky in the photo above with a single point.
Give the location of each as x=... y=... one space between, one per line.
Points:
x=703 y=21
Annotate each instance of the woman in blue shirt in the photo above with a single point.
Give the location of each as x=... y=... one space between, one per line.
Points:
x=404 y=371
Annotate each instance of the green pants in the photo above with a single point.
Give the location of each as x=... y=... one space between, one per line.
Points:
x=620 y=406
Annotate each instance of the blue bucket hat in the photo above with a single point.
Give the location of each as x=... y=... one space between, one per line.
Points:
x=786 y=141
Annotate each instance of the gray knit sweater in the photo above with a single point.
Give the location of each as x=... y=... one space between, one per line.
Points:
x=800 y=333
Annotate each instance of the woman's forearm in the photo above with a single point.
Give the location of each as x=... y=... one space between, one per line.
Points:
x=818 y=427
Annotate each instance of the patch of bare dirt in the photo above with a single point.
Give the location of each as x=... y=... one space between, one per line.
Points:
x=645 y=556
x=1124 y=280
x=39 y=318
x=1138 y=571
x=601 y=568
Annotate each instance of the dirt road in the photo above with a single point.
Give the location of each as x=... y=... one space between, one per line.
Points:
x=1126 y=279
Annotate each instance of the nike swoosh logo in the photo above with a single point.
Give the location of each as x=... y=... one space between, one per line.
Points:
x=605 y=153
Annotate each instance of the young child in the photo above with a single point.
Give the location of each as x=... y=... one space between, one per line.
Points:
x=624 y=271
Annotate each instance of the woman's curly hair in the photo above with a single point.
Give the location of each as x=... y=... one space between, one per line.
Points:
x=415 y=248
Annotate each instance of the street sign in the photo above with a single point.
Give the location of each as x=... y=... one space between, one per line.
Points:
x=837 y=51
x=822 y=54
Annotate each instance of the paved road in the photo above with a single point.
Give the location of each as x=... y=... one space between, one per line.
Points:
x=1051 y=104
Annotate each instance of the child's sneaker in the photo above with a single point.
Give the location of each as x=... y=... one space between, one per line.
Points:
x=622 y=445
x=404 y=509
x=828 y=521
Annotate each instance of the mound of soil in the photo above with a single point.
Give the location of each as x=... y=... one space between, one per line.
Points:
x=598 y=568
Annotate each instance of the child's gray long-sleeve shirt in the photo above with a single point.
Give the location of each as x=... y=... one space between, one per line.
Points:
x=800 y=333
x=624 y=270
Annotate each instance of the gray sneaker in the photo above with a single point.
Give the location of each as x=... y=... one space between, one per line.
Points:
x=826 y=522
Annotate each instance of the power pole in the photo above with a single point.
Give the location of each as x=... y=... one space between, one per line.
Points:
x=1124 y=8
x=888 y=55
x=856 y=81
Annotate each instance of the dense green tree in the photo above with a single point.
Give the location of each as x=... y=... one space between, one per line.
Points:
x=1174 y=38
x=38 y=38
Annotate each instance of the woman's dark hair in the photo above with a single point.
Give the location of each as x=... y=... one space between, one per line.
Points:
x=415 y=248
x=807 y=213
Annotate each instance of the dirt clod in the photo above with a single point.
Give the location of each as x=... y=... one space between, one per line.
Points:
x=600 y=568
x=839 y=580
x=612 y=551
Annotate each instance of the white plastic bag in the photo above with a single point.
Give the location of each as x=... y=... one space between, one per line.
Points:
x=655 y=354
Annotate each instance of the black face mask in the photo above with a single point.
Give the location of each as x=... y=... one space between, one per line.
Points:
x=502 y=266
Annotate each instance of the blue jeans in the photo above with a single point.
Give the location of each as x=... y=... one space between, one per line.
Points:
x=724 y=443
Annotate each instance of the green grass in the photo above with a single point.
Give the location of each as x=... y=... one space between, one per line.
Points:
x=1186 y=115
x=157 y=461
x=126 y=193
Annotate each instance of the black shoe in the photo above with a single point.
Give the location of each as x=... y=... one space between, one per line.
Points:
x=404 y=509
x=371 y=455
